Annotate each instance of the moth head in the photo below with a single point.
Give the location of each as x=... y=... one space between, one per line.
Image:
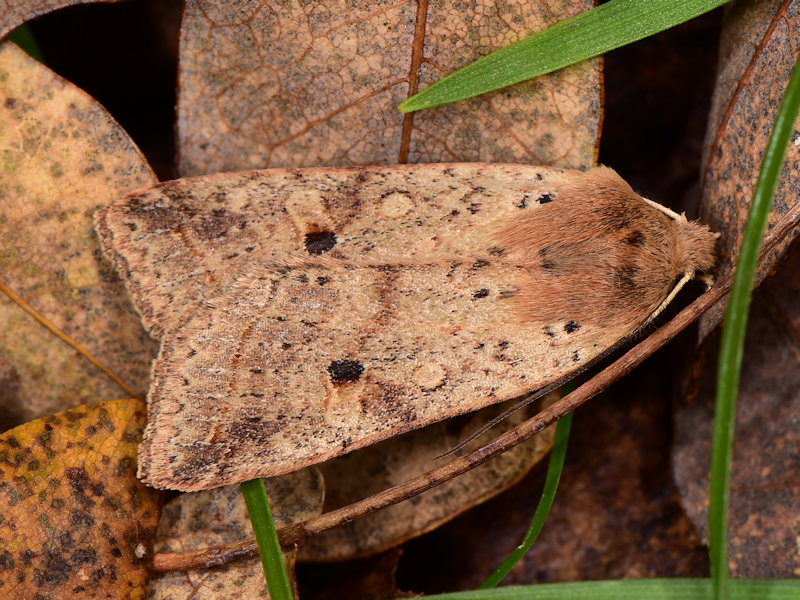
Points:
x=697 y=245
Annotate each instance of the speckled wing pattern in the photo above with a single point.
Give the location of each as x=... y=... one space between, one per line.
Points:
x=307 y=313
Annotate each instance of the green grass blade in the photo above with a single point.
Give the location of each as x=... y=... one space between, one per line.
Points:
x=554 y=468
x=23 y=37
x=635 y=589
x=733 y=333
x=604 y=28
x=255 y=496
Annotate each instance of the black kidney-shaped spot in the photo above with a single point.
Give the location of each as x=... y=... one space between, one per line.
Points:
x=571 y=326
x=318 y=242
x=345 y=371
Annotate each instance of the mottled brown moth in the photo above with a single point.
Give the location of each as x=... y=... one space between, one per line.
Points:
x=306 y=313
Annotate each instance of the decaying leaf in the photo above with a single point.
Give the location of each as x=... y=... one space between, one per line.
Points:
x=401 y=458
x=759 y=46
x=758 y=50
x=317 y=83
x=63 y=157
x=616 y=515
x=219 y=516
x=267 y=84
x=765 y=486
x=74 y=521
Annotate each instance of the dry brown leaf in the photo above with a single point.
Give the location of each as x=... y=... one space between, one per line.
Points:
x=399 y=459
x=63 y=157
x=759 y=46
x=15 y=12
x=267 y=84
x=218 y=517
x=74 y=521
x=765 y=486
x=317 y=84
x=758 y=50
x=616 y=513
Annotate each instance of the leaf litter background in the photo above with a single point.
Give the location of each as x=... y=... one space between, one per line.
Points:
x=615 y=515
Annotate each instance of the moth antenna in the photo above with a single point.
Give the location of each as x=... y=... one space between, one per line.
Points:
x=670 y=213
x=486 y=427
x=686 y=278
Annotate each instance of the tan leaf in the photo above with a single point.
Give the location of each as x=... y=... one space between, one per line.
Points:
x=219 y=516
x=399 y=459
x=15 y=12
x=74 y=521
x=63 y=157
x=266 y=84
x=758 y=50
x=765 y=485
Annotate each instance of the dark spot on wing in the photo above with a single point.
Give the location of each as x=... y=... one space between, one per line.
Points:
x=636 y=239
x=571 y=326
x=318 y=242
x=545 y=198
x=481 y=293
x=548 y=331
x=345 y=371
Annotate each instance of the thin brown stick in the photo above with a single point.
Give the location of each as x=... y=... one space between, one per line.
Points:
x=295 y=534
x=52 y=328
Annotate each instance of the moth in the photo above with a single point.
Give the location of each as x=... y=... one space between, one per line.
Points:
x=306 y=313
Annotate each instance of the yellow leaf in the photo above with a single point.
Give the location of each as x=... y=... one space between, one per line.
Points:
x=74 y=521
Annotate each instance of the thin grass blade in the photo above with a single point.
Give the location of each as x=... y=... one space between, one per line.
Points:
x=591 y=33
x=255 y=497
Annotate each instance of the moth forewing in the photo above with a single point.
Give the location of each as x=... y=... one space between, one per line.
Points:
x=302 y=364
x=182 y=242
x=384 y=299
